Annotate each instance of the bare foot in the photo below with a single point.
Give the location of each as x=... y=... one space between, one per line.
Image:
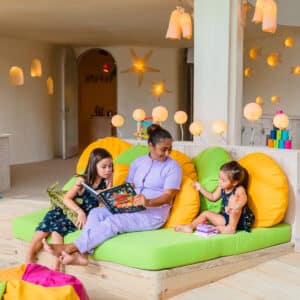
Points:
x=73 y=259
x=184 y=228
x=53 y=249
x=226 y=229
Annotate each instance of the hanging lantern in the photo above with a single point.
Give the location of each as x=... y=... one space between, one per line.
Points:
x=50 y=86
x=248 y=72
x=259 y=100
x=289 y=42
x=258 y=13
x=252 y=111
x=219 y=127
x=180 y=117
x=139 y=115
x=269 y=23
x=174 y=28
x=273 y=59
x=117 y=121
x=254 y=52
x=16 y=76
x=281 y=121
x=106 y=68
x=159 y=114
x=196 y=128
x=186 y=25
x=296 y=70
x=275 y=99
x=36 y=68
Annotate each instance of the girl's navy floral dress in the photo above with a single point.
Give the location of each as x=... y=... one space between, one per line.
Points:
x=56 y=220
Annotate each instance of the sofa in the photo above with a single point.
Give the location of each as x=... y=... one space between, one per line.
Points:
x=170 y=262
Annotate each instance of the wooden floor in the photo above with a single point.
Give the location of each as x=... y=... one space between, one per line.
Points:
x=275 y=279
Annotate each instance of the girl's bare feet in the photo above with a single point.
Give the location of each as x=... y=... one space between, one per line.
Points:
x=73 y=259
x=184 y=228
x=226 y=229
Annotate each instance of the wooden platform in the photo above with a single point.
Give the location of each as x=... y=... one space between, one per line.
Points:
x=105 y=280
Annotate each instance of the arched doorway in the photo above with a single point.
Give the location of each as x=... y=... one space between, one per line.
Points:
x=97 y=95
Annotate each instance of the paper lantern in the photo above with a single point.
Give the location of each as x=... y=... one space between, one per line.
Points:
x=159 y=114
x=16 y=76
x=50 y=86
x=252 y=111
x=139 y=115
x=186 y=25
x=289 y=42
x=281 y=121
x=296 y=70
x=106 y=68
x=36 y=68
x=275 y=99
x=174 y=28
x=258 y=13
x=273 y=59
x=219 y=127
x=259 y=100
x=254 y=52
x=196 y=128
x=117 y=121
x=248 y=72
x=269 y=23
x=180 y=117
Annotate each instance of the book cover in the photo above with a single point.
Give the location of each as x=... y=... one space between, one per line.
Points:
x=118 y=199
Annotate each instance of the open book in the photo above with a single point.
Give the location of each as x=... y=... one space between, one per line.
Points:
x=118 y=199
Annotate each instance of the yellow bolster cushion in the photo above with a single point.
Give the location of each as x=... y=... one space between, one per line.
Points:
x=120 y=173
x=267 y=189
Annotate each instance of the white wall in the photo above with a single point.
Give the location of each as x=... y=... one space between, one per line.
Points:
x=26 y=111
x=267 y=81
x=130 y=96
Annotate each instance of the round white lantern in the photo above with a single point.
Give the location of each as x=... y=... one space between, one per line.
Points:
x=180 y=117
x=219 y=127
x=117 y=121
x=139 y=115
x=252 y=111
x=281 y=121
x=196 y=128
x=159 y=114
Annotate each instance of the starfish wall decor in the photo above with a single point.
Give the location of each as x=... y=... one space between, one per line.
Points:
x=158 y=88
x=140 y=66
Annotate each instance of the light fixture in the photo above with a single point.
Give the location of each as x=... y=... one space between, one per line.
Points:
x=36 y=68
x=273 y=59
x=196 y=128
x=219 y=127
x=254 y=52
x=16 y=76
x=281 y=121
x=259 y=100
x=106 y=68
x=117 y=121
x=275 y=99
x=159 y=114
x=266 y=13
x=139 y=115
x=296 y=70
x=158 y=89
x=248 y=72
x=180 y=118
x=50 y=86
x=289 y=42
x=139 y=66
x=258 y=13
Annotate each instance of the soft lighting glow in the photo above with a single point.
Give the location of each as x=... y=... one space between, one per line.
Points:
x=174 y=28
x=296 y=70
x=117 y=121
x=248 y=72
x=16 y=76
x=219 y=127
x=50 y=86
x=196 y=128
x=269 y=23
x=180 y=117
x=252 y=111
x=36 y=68
x=273 y=59
x=259 y=100
x=281 y=121
x=139 y=115
x=258 y=13
x=254 y=52
x=159 y=114
x=158 y=89
x=106 y=68
x=275 y=99
x=289 y=42
x=186 y=25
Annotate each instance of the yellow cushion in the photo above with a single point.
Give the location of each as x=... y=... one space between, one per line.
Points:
x=186 y=164
x=267 y=189
x=120 y=173
x=113 y=145
x=186 y=204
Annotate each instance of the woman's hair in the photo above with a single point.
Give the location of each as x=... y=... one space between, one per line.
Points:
x=96 y=155
x=236 y=172
x=157 y=133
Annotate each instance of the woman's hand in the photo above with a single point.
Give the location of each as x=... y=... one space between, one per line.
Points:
x=139 y=200
x=81 y=219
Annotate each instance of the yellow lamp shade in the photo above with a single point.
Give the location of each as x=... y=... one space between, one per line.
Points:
x=196 y=128
x=254 y=52
x=117 y=121
x=16 y=76
x=180 y=117
x=269 y=23
x=159 y=114
x=139 y=115
x=273 y=59
x=296 y=70
x=252 y=111
x=50 y=86
x=219 y=127
x=275 y=99
x=186 y=25
x=259 y=100
x=36 y=68
x=289 y=42
x=174 y=28
x=258 y=13
x=281 y=121
x=248 y=72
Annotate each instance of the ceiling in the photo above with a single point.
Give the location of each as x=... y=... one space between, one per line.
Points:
x=108 y=22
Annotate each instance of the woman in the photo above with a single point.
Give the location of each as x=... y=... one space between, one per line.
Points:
x=156 y=178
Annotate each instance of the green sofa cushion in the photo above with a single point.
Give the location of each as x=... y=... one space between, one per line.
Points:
x=129 y=155
x=208 y=163
x=165 y=248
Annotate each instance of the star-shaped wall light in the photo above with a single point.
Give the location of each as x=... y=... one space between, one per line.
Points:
x=140 y=65
x=158 y=88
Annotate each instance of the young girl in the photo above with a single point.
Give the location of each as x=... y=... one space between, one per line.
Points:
x=233 y=181
x=98 y=175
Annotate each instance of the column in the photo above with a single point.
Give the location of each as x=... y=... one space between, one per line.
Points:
x=4 y=163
